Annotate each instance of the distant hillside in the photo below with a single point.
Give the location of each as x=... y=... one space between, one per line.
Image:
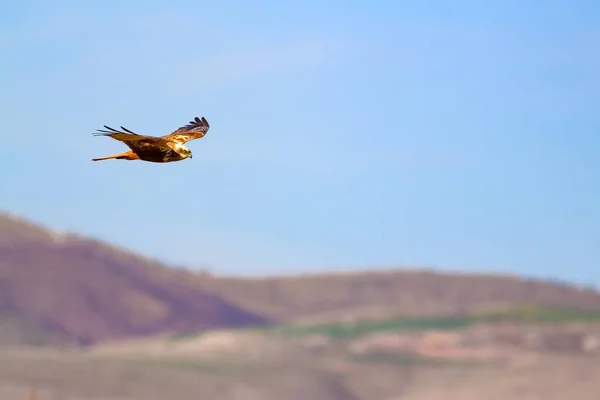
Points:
x=384 y=294
x=58 y=289
x=66 y=289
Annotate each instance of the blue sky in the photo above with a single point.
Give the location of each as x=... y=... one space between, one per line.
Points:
x=460 y=135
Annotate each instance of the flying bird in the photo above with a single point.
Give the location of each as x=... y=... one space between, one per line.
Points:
x=161 y=149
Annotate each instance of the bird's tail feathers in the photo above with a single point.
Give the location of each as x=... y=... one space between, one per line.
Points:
x=128 y=155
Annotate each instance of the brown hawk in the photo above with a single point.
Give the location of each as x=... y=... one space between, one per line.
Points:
x=162 y=149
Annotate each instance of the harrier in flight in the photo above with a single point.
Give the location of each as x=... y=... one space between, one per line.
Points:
x=162 y=149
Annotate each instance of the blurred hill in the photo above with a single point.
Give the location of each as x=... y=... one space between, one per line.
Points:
x=382 y=294
x=157 y=332
x=57 y=289
x=65 y=289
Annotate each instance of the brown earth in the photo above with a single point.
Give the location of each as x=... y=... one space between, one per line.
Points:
x=64 y=289
x=381 y=294
x=58 y=288
x=553 y=362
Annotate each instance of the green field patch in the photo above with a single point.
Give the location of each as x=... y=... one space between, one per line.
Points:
x=525 y=314
x=413 y=360
x=360 y=328
x=408 y=324
x=535 y=314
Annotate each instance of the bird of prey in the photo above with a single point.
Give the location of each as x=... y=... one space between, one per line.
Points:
x=162 y=149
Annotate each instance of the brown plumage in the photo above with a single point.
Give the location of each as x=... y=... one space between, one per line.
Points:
x=162 y=149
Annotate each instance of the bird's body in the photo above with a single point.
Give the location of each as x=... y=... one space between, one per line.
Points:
x=162 y=149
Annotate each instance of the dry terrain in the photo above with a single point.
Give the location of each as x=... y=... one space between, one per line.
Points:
x=153 y=332
x=58 y=289
x=493 y=361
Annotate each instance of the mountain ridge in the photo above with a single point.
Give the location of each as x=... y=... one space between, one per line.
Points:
x=81 y=291
x=60 y=288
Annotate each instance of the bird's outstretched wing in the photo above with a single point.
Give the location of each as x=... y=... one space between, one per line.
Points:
x=196 y=129
x=134 y=140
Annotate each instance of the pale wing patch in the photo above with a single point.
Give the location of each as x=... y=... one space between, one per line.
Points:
x=179 y=148
x=196 y=129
